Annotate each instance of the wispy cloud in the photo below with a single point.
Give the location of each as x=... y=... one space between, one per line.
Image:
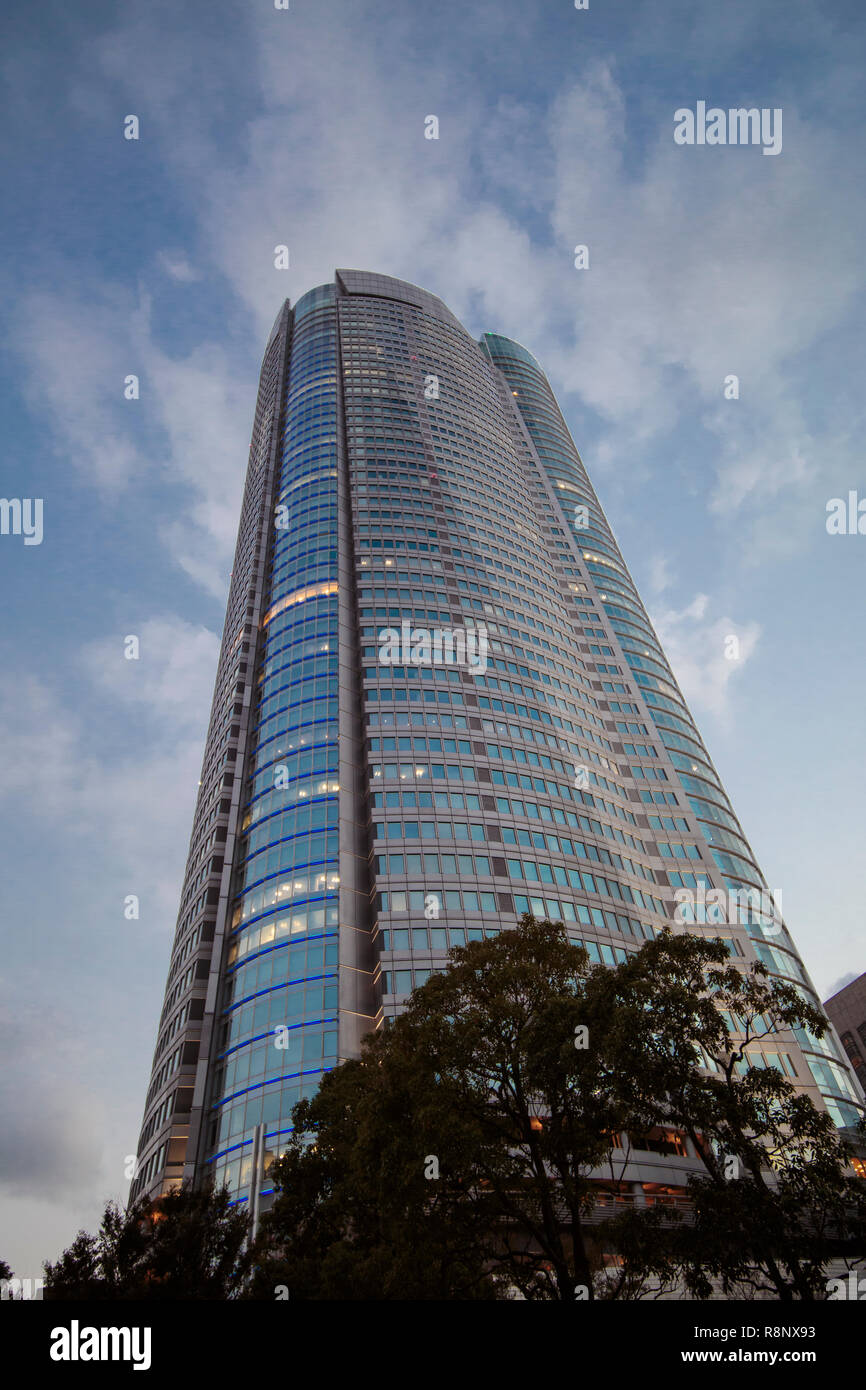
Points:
x=706 y=653
x=179 y=267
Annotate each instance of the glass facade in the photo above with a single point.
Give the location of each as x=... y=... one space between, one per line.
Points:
x=358 y=815
x=281 y=963
x=711 y=834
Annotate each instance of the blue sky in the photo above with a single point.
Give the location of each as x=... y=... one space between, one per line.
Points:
x=155 y=257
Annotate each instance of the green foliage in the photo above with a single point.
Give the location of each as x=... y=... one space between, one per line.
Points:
x=460 y=1157
x=188 y=1245
x=775 y=1201
x=482 y=1073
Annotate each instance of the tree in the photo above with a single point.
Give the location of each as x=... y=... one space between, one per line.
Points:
x=775 y=1200
x=461 y=1156
x=186 y=1245
x=357 y=1217
x=455 y=1158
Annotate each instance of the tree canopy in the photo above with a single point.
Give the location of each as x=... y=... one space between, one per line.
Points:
x=463 y=1154
x=483 y=1147
x=187 y=1245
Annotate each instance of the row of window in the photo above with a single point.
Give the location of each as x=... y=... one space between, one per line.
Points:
x=469 y=801
x=284 y=1003
x=415 y=800
x=314 y=882
x=281 y=797
x=520 y=733
x=402 y=982
x=561 y=844
x=413 y=830
x=562 y=816
x=282 y=742
x=303 y=918
x=417 y=744
x=648 y=774
x=297 y=691
x=437 y=900
x=269 y=1103
x=157 y=1119
x=376 y=543
x=529 y=757
x=385 y=693
x=282 y=960
x=422 y=772
x=388 y=719
x=285 y=769
x=531 y=871
x=310 y=815
x=301 y=850
x=282 y=1052
x=299 y=639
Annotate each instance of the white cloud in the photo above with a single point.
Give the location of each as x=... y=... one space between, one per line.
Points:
x=189 y=430
x=179 y=267
x=847 y=979
x=132 y=795
x=77 y=352
x=698 y=262
x=206 y=410
x=107 y=782
x=659 y=574
x=702 y=655
x=700 y=267
x=172 y=675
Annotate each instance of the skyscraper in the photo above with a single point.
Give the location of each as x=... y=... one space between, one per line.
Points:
x=364 y=806
x=846 y=1010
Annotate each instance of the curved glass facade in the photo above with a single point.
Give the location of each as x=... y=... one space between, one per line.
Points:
x=728 y=861
x=281 y=965
x=269 y=998
x=364 y=808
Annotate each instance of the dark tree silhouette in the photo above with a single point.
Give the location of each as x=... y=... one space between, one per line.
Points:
x=187 y=1245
